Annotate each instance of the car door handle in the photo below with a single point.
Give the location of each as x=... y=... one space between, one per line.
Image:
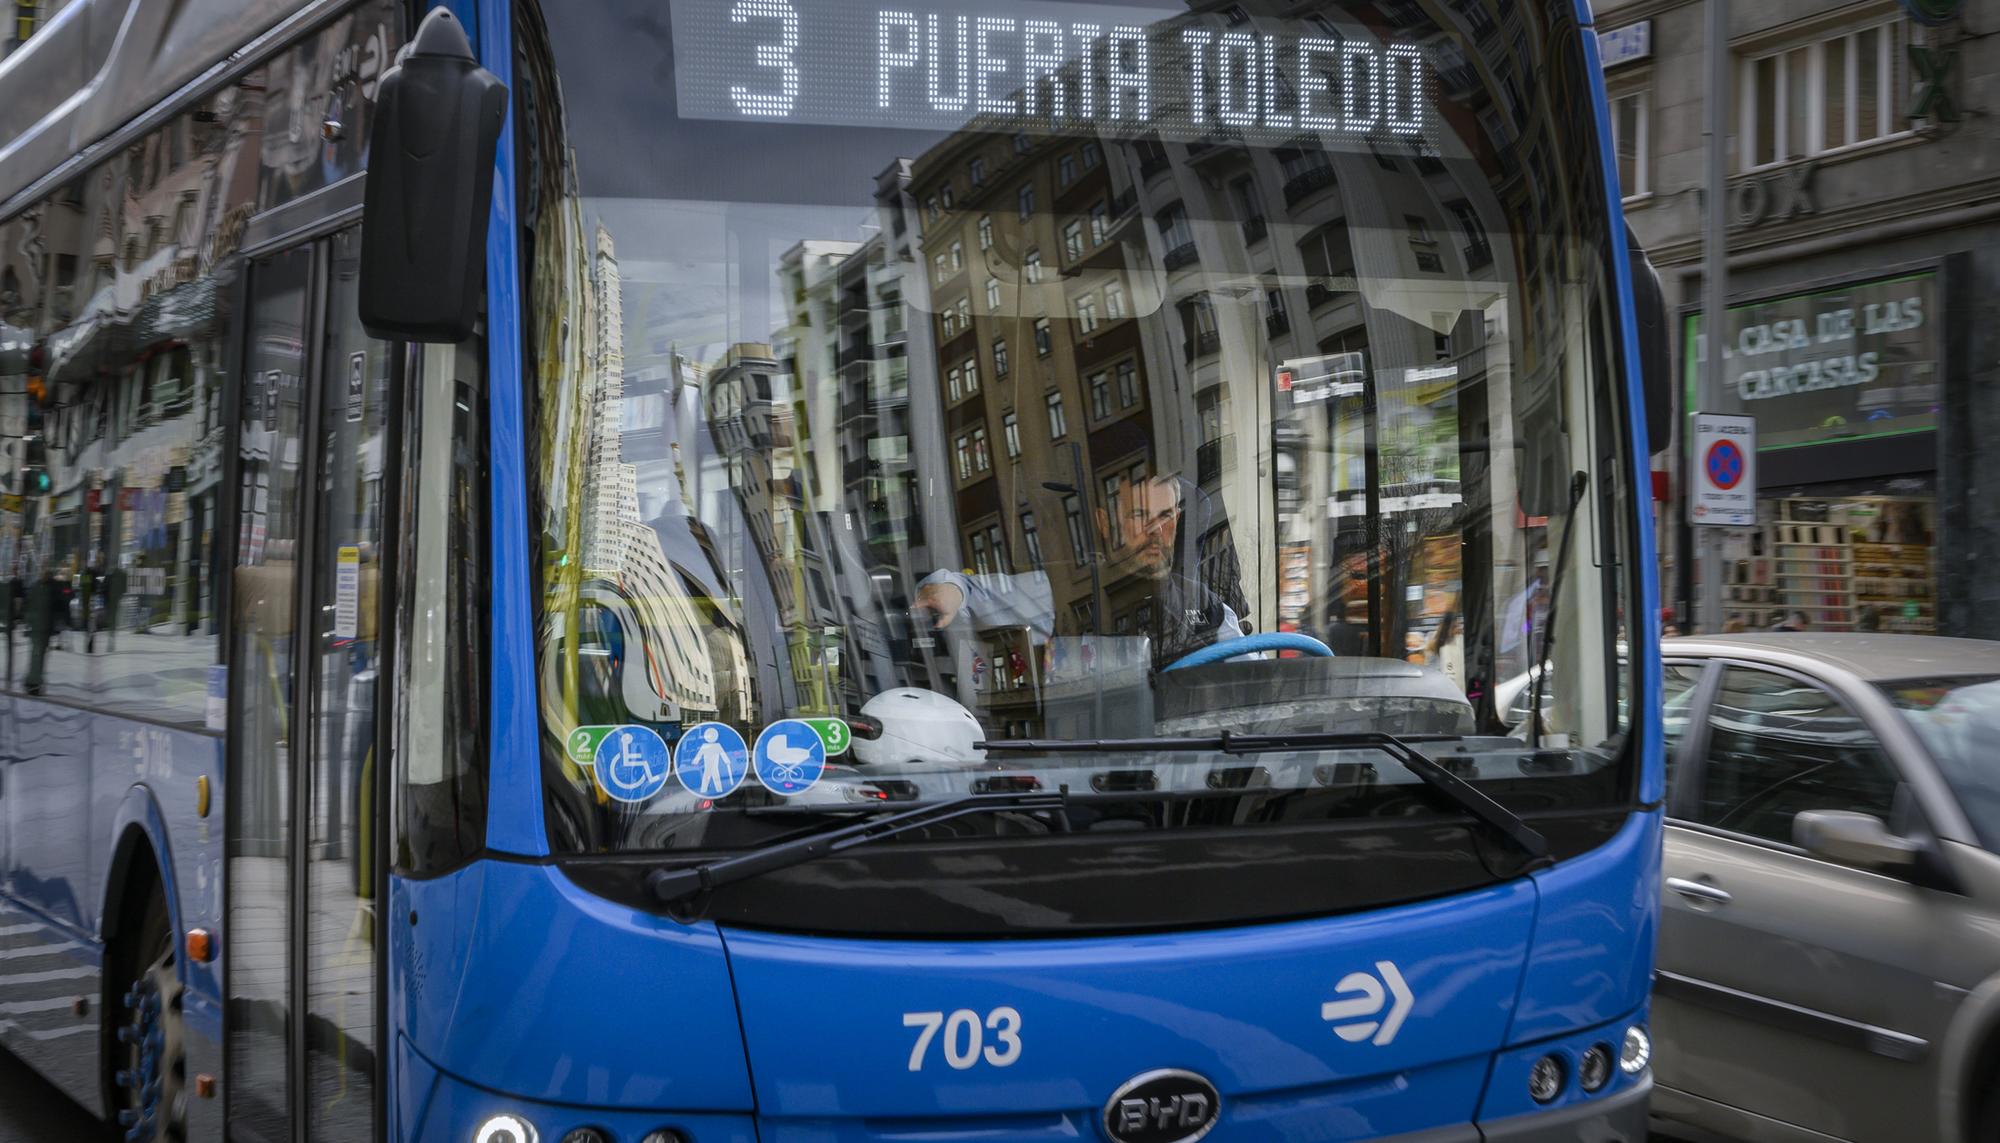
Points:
x=1699 y=891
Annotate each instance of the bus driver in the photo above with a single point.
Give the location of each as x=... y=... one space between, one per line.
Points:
x=1182 y=613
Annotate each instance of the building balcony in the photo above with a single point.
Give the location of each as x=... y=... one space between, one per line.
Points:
x=1306 y=183
x=1202 y=345
x=1180 y=257
x=1208 y=463
x=1255 y=230
x=1148 y=167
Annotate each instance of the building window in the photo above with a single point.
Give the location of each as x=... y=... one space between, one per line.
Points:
x=977 y=170
x=1114 y=504
x=1010 y=430
x=1066 y=170
x=1079 y=540
x=999 y=357
x=945 y=196
x=1031 y=266
x=1092 y=156
x=1630 y=135
x=1175 y=232
x=972 y=375
x=977 y=543
x=1031 y=539
x=1114 y=301
x=986 y=232
x=1026 y=200
x=1128 y=384
x=1837 y=92
x=1423 y=245
x=1328 y=254
x=1086 y=314
x=997 y=543
x=1020 y=142
x=952 y=390
x=962 y=453
x=1477 y=251
x=1100 y=222
x=1044 y=339
x=1100 y=395
x=958 y=255
x=993 y=294
x=965 y=312
x=1058 y=423
x=938 y=265
x=931 y=208
x=1073 y=239
x=948 y=318
x=982 y=459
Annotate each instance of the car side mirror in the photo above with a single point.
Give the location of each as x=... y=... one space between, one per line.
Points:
x=1854 y=839
x=436 y=129
x=1655 y=364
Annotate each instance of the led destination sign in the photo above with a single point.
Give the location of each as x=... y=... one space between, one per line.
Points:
x=1043 y=67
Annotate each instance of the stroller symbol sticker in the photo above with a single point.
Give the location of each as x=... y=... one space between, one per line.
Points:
x=711 y=760
x=790 y=757
x=632 y=763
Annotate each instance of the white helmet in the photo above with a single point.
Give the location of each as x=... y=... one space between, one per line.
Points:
x=919 y=727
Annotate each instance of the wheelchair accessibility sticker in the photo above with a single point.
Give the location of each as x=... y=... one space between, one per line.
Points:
x=790 y=757
x=632 y=764
x=711 y=760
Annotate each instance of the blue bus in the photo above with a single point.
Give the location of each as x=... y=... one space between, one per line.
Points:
x=728 y=570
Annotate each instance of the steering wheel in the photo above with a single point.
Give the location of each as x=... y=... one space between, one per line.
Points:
x=1251 y=645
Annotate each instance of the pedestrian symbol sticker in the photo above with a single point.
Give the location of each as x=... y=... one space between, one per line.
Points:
x=581 y=745
x=711 y=760
x=1725 y=464
x=833 y=734
x=632 y=764
x=790 y=757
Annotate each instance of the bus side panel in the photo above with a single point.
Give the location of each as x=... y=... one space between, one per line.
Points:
x=50 y=957
x=149 y=791
x=81 y=795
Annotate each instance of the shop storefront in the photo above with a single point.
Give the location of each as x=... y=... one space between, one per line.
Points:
x=1847 y=383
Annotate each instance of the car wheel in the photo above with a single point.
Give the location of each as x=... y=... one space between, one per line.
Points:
x=149 y=1085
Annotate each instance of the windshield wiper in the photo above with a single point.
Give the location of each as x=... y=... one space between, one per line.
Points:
x=685 y=891
x=1578 y=481
x=1467 y=796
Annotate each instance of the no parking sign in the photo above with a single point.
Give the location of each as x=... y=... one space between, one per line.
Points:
x=1725 y=470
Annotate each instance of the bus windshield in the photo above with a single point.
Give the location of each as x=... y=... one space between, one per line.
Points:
x=903 y=381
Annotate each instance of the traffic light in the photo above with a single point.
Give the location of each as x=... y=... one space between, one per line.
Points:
x=34 y=475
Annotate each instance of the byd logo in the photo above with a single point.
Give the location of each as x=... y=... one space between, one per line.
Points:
x=1354 y=1020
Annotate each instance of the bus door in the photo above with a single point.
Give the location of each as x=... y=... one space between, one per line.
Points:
x=304 y=933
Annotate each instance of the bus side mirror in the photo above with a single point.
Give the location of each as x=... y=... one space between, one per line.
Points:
x=437 y=125
x=1649 y=313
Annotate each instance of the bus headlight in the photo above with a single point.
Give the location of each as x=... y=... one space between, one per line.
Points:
x=504 y=1128
x=1595 y=1069
x=1636 y=1052
x=1545 y=1079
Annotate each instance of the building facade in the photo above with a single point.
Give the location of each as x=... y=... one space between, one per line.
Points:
x=1863 y=255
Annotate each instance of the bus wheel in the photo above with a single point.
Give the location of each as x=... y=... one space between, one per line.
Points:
x=150 y=1082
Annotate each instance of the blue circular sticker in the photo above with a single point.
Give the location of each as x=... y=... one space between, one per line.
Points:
x=790 y=757
x=711 y=760
x=632 y=763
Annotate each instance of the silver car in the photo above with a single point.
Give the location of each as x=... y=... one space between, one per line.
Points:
x=1829 y=960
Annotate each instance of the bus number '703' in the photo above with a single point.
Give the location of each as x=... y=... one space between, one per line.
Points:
x=964 y=1039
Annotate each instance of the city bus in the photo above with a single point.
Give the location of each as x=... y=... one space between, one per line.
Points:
x=728 y=570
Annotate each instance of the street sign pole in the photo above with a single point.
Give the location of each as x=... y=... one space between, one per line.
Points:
x=1715 y=286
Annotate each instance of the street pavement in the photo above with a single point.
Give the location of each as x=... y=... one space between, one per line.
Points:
x=33 y=1112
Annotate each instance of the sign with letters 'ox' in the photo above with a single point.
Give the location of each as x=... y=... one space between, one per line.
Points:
x=1842 y=364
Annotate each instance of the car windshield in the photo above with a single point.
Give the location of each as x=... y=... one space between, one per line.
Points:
x=1959 y=720
x=903 y=381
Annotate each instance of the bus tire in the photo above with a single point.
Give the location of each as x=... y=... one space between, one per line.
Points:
x=1986 y=1118
x=148 y=1055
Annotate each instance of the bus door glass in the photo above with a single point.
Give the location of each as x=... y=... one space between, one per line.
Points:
x=306 y=670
